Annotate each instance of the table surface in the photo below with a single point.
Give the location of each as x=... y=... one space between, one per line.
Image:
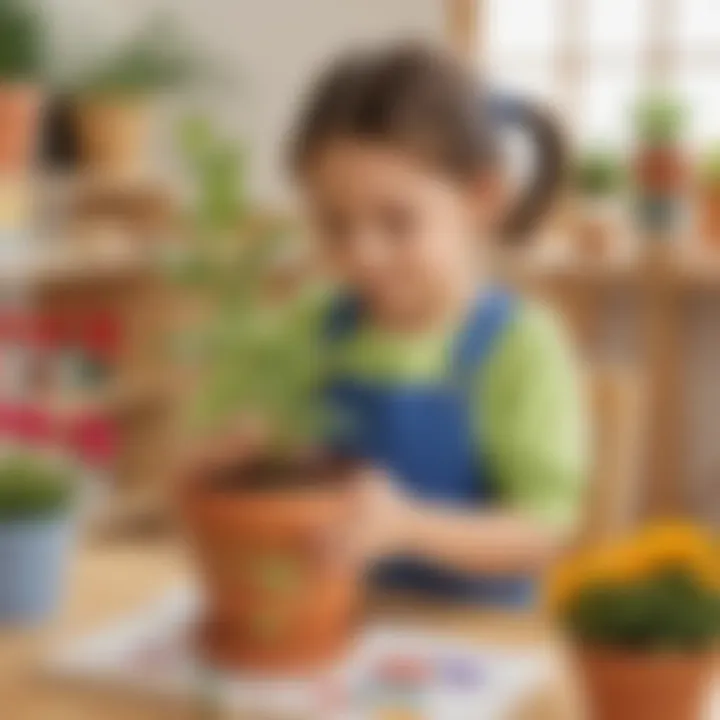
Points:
x=113 y=580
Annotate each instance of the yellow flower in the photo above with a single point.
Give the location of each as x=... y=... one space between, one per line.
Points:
x=659 y=547
x=611 y=564
x=679 y=545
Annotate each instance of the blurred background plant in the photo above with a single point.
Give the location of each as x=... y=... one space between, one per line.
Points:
x=598 y=178
x=114 y=96
x=659 y=119
x=22 y=43
x=22 y=67
x=599 y=174
x=32 y=488
x=662 y=167
x=157 y=58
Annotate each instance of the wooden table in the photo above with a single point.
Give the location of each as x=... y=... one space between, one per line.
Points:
x=111 y=581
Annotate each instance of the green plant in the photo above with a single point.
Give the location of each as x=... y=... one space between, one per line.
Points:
x=21 y=41
x=709 y=169
x=250 y=358
x=659 y=591
x=157 y=58
x=31 y=488
x=659 y=119
x=668 y=612
x=598 y=174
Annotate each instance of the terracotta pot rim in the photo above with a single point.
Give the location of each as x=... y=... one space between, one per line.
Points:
x=196 y=477
x=630 y=655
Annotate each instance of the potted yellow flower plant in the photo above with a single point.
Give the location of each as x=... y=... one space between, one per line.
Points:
x=644 y=618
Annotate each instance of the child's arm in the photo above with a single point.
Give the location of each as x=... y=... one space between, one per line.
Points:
x=493 y=541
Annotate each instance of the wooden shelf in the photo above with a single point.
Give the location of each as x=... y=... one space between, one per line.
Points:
x=665 y=266
x=76 y=266
x=117 y=399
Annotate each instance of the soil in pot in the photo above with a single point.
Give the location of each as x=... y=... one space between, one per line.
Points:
x=627 y=686
x=274 y=601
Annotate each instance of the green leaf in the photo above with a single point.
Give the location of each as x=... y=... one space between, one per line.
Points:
x=22 y=41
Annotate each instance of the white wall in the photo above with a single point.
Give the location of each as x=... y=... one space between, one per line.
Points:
x=274 y=45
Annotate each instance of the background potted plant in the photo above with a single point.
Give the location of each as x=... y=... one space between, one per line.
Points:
x=255 y=511
x=598 y=178
x=709 y=197
x=21 y=66
x=644 y=618
x=661 y=166
x=114 y=100
x=36 y=508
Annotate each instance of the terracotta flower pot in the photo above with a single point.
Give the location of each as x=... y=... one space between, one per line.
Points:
x=661 y=170
x=625 y=686
x=113 y=135
x=19 y=123
x=273 y=603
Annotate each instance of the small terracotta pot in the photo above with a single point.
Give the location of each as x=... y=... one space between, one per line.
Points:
x=633 y=686
x=273 y=602
x=661 y=170
x=113 y=135
x=19 y=124
x=709 y=214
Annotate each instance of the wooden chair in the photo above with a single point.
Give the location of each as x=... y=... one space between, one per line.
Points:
x=616 y=401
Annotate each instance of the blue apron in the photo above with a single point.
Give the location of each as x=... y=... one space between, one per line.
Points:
x=425 y=436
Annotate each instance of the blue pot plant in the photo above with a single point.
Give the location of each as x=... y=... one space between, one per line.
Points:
x=37 y=497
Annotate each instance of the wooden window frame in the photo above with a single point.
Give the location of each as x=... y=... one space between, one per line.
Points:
x=660 y=57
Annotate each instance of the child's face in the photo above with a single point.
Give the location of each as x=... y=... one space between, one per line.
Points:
x=393 y=230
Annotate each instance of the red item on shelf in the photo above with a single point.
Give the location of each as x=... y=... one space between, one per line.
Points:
x=51 y=331
x=94 y=438
x=103 y=336
x=33 y=426
x=15 y=327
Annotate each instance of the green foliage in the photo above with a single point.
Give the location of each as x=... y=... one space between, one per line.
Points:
x=671 y=611
x=710 y=167
x=251 y=357
x=659 y=119
x=599 y=174
x=31 y=488
x=156 y=59
x=21 y=41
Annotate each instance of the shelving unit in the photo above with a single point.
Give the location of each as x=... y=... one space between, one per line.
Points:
x=101 y=261
x=660 y=281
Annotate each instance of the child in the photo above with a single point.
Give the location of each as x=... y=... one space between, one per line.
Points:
x=463 y=398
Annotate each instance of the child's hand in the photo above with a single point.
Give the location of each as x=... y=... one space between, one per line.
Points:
x=383 y=519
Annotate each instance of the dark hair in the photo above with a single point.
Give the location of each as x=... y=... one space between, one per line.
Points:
x=421 y=99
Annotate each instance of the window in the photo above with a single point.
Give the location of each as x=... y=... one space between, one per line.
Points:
x=592 y=58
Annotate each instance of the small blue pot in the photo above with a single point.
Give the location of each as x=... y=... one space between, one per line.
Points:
x=662 y=217
x=34 y=557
